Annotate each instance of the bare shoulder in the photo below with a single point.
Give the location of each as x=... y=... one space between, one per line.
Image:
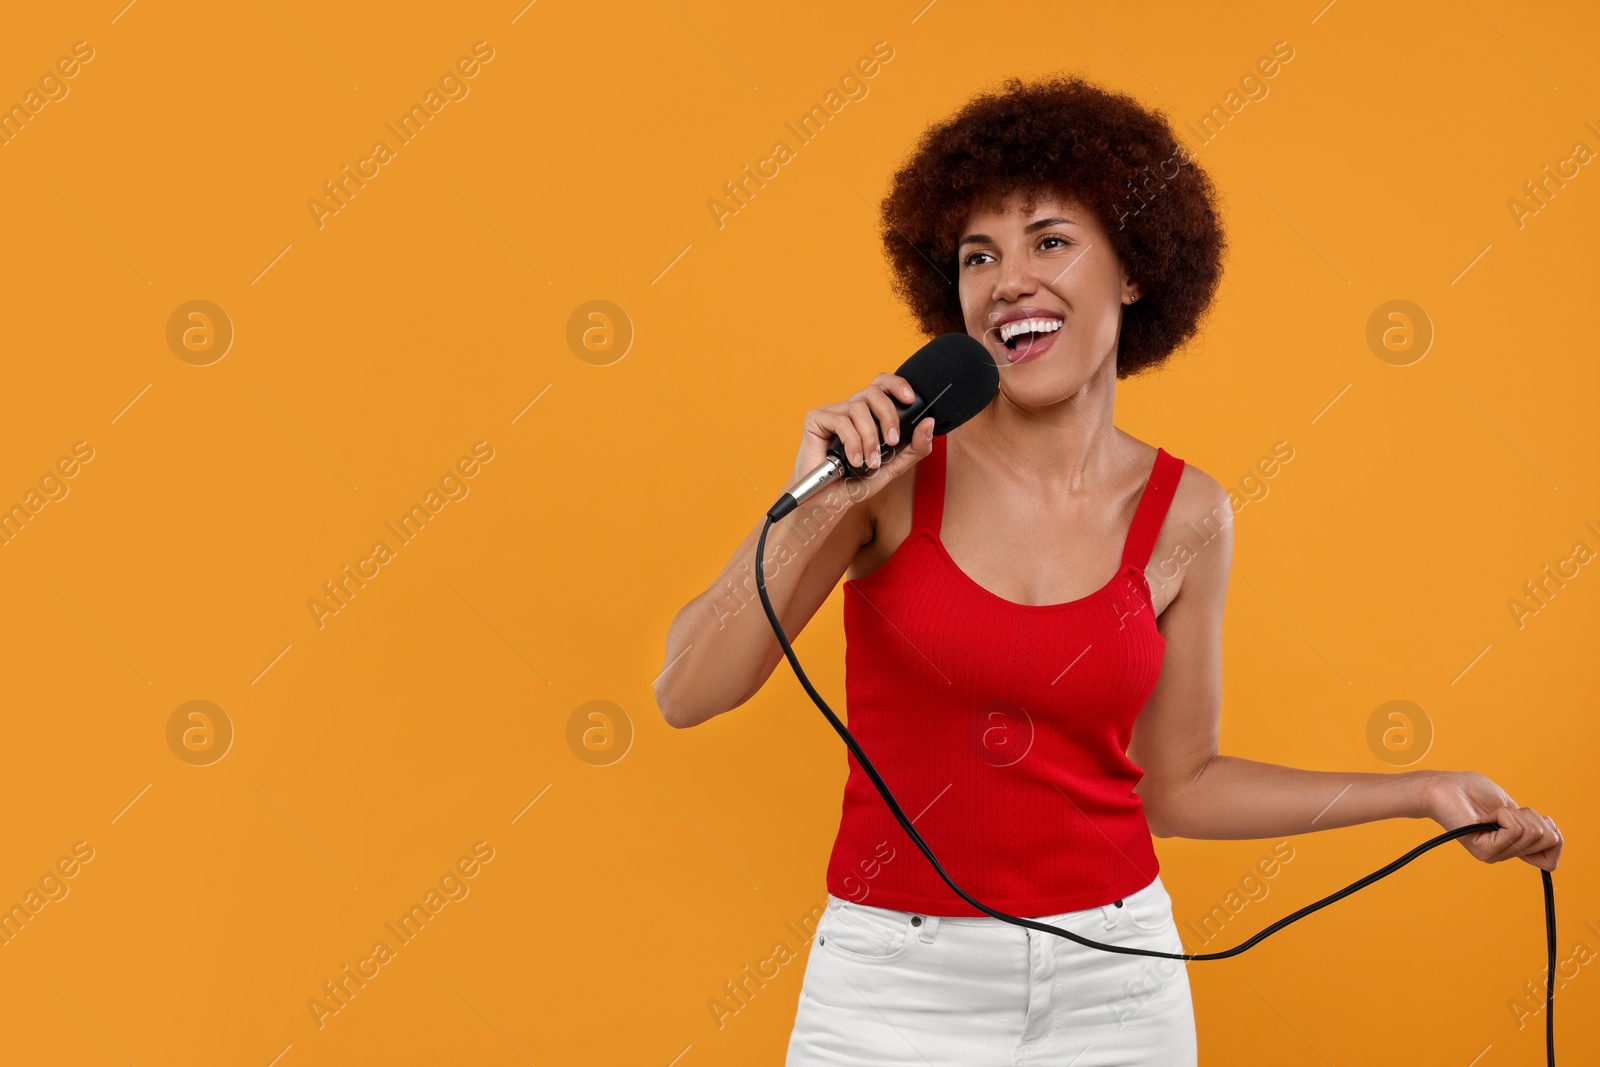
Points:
x=1195 y=546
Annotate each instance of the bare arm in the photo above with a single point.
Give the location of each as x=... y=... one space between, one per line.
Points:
x=1189 y=788
x=720 y=646
x=1192 y=790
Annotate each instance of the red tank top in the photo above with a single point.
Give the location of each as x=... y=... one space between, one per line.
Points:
x=1002 y=728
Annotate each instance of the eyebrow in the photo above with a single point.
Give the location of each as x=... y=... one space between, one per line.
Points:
x=1031 y=227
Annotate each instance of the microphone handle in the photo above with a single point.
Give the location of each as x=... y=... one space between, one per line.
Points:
x=836 y=464
x=910 y=414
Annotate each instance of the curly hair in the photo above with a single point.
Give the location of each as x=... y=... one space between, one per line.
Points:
x=1067 y=136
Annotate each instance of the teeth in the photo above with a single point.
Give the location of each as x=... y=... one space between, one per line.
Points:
x=1022 y=326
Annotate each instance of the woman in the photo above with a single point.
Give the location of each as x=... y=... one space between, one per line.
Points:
x=1037 y=719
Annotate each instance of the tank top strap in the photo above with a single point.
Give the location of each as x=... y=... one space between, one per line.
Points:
x=1152 y=509
x=927 y=489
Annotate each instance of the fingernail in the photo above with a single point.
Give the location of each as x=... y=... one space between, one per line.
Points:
x=892 y=435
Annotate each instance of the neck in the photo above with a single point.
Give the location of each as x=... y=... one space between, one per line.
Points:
x=1066 y=446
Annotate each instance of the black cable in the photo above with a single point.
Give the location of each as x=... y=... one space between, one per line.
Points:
x=1360 y=883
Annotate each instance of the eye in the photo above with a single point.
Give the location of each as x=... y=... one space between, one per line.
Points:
x=1053 y=237
x=971 y=260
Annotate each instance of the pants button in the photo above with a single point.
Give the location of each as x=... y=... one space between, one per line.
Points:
x=916 y=920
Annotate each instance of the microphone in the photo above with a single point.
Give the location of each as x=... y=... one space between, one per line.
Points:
x=952 y=378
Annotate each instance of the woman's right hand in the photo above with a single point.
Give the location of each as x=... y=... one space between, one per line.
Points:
x=856 y=422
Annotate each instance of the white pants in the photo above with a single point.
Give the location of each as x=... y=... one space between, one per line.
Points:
x=897 y=987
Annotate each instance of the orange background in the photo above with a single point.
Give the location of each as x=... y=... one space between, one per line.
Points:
x=432 y=711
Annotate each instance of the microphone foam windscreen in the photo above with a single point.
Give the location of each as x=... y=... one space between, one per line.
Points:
x=956 y=375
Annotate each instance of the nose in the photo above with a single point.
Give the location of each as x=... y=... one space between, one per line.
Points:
x=1014 y=279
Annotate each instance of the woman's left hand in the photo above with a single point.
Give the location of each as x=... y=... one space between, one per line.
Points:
x=1461 y=798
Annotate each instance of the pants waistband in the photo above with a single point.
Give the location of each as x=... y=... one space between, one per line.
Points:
x=927 y=926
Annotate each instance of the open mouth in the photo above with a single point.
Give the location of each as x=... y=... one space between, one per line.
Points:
x=1026 y=336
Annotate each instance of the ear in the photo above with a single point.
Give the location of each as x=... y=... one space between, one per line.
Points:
x=1130 y=292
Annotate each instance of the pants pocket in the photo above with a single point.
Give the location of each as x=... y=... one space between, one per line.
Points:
x=1149 y=909
x=863 y=933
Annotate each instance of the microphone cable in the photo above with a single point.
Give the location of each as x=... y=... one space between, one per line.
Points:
x=922 y=846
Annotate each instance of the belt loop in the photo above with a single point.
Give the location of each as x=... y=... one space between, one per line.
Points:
x=926 y=926
x=1112 y=913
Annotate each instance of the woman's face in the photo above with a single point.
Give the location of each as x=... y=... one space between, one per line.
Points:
x=1048 y=282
